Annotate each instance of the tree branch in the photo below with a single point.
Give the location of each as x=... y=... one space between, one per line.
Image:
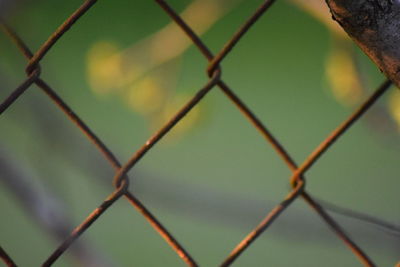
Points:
x=374 y=25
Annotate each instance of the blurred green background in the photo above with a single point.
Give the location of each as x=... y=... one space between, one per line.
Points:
x=211 y=181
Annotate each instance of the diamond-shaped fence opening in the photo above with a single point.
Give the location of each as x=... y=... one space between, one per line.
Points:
x=166 y=46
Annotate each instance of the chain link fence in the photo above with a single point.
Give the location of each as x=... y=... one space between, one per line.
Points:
x=121 y=179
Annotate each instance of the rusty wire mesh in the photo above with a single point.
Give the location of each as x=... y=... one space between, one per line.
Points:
x=214 y=72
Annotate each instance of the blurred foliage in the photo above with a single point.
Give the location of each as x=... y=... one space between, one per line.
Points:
x=125 y=68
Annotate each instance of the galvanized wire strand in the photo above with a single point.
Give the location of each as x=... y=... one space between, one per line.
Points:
x=239 y=34
x=15 y=94
x=340 y=232
x=121 y=180
x=323 y=147
x=21 y=45
x=157 y=225
x=267 y=221
x=167 y=127
x=339 y=131
x=250 y=115
x=79 y=230
x=58 y=34
x=264 y=131
x=160 y=228
x=122 y=172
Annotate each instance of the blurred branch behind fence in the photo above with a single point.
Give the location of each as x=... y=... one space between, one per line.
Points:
x=155 y=53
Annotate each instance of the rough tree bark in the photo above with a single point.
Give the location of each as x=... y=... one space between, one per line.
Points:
x=375 y=26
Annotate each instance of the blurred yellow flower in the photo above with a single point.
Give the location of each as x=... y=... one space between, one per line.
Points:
x=104 y=68
x=342 y=75
x=146 y=96
x=394 y=107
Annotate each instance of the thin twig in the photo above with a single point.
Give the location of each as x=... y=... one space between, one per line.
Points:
x=386 y=226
